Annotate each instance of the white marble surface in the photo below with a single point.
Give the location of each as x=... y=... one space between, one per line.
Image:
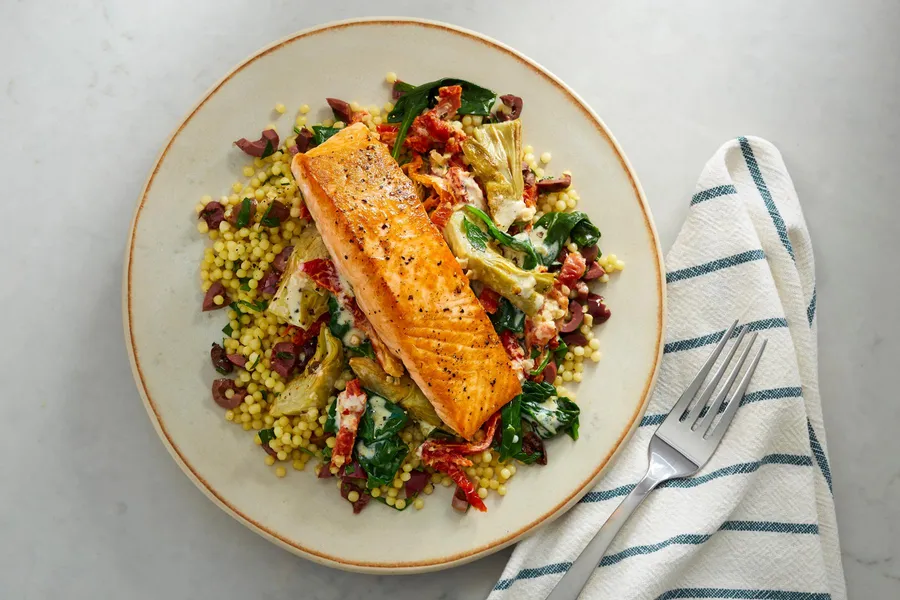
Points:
x=91 y=505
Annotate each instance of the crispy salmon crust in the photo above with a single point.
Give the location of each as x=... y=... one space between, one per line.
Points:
x=406 y=280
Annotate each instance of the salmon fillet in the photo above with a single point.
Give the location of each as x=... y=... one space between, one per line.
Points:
x=404 y=277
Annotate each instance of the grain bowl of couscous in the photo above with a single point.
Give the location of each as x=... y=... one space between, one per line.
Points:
x=362 y=301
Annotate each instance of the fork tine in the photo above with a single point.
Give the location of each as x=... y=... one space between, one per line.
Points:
x=720 y=398
x=735 y=401
x=707 y=393
x=691 y=391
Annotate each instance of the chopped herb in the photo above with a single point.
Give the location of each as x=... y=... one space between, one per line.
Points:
x=266 y=435
x=258 y=307
x=268 y=220
x=322 y=133
x=243 y=217
x=543 y=365
x=227 y=330
x=475 y=100
x=245 y=287
x=284 y=355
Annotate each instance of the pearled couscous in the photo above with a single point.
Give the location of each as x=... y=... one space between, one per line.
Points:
x=294 y=358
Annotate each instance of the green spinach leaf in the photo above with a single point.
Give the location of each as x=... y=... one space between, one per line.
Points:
x=561 y=349
x=503 y=238
x=337 y=324
x=512 y=434
x=508 y=318
x=331 y=422
x=475 y=234
x=379 y=449
x=364 y=349
x=340 y=324
x=475 y=100
x=549 y=414
x=382 y=419
x=561 y=226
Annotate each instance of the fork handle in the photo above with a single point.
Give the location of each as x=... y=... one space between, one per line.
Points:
x=574 y=580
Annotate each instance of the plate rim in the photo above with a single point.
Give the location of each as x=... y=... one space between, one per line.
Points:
x=407 y=567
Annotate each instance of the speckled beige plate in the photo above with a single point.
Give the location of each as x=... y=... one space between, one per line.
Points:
x=168 y=337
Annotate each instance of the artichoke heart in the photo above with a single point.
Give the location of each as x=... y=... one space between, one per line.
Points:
x=495 y=153
x=313 y=387
x=298 y=301
x=399 y=390
x=525 y=289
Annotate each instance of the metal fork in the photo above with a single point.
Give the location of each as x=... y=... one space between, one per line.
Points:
x=681 y=445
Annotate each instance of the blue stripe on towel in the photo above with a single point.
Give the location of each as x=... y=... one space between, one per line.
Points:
x=696 y=539
x=715 y=265
x=714 y=192
x=763 y=189
x=732 y=593
x=798 y=460
x=682 y=539
x=712 y=338
x=811 y=309
x=769 y=394
x=819 y=453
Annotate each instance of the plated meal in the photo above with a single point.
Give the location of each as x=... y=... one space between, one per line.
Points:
x=409 y=292
x=337 y=394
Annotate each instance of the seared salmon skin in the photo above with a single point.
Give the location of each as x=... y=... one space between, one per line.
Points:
x=404 y=277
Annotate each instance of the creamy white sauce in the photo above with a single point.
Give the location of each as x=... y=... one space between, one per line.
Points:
x=537 y=235
x=345 y=317
x=364 y=451
x=548 y=419
x=511 y=211
x=380 y=411
x=473 y=193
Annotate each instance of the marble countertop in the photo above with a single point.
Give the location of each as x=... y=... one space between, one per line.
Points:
x=91 y=505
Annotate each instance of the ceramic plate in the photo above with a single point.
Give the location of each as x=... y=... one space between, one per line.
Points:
x=168 y=337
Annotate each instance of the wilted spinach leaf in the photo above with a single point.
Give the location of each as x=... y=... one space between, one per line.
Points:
x=548 y=414
x=512 y=434
x=508 y=318
x=503 y=238
x=561 y=226
x=379 y=448
x=476 y=236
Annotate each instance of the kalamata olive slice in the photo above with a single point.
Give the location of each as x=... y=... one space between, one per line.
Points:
x=598 y=309
x=577 y=317
x=594 y=271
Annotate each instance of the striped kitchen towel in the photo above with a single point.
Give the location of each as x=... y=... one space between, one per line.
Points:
x=758 y=520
